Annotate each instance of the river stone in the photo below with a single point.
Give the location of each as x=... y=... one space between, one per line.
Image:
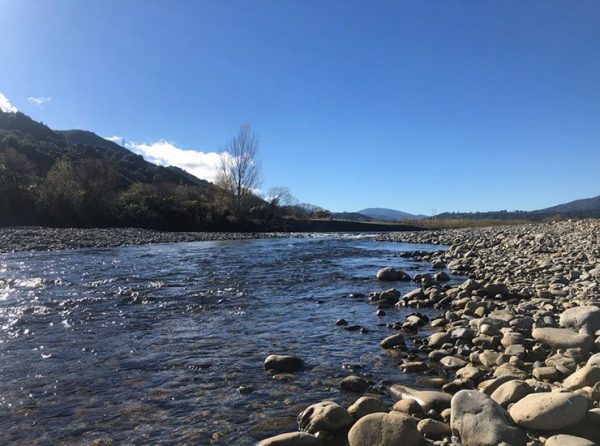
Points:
x=509 y=369
x=511 y=392
x=292 y=439
x=385 y=429
x=587 y=316
x=488 y=387
x=568 y=440
x=594 y=360
x=283 y=363
x=585 y=376
x=480 y=421
x=354 y=383
x=395 y=340
x=488 y=357
x=562 y=338
x=410 y=407
x=325 y=416
x=452 y=362
x=470 y=372
x=545 y=373
x=438 y=339
x=392 y=274
x=549 y=410
x=427 y=399
x=433 y=429
x=366 y=405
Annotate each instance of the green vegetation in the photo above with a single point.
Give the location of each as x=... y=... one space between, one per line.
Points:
x=75 y=178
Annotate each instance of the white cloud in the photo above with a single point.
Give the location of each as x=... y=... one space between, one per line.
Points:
x=6 y=106
x=39 y=101
x=203 y=165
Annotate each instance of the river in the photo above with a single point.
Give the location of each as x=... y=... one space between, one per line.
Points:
x=151 y=344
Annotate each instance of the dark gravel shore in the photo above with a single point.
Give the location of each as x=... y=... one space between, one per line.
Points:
x=42 y=239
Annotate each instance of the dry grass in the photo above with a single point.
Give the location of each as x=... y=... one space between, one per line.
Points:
x=464 y=223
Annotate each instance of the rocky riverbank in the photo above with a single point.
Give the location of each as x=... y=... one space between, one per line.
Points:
x=514 y=357
x=43 y=239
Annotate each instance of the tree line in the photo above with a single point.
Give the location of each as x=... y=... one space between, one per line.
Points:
x=85 y=189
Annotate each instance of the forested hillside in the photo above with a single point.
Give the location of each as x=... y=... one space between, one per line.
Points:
x=76 y=178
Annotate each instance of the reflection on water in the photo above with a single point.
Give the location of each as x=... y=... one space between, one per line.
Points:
x=151 y=343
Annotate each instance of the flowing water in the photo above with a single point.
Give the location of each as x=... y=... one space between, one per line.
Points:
x=151 y=344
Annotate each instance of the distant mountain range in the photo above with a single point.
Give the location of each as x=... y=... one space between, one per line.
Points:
x=587 y=207
x=377 y=214
x=386 y=214
x=577 y=206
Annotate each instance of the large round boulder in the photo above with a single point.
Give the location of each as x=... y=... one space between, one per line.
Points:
x=366 y=405
x=587 y=316
x=563 y=338
x=391 y=274
x=585 y=376
x=325 y=416
x=480 y=421
x=385 y=429
x=395 y=340
x=549 y=410
x=354 y=384
x=511 y=392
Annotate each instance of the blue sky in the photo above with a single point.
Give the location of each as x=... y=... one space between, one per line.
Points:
x=413 y=105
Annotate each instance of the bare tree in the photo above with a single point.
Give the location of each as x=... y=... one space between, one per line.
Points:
x=280 y=196
x=239 y=172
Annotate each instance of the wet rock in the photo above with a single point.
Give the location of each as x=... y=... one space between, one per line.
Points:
x=354 y=383
x=480 y=421
x=366 y=405
x=292 y=439
x=283 y=363
x=385 y=429
x=395 y=340
x=549 y=410
x=391 y=274
x=245 y=390
x=325 y=416
x=413 y=366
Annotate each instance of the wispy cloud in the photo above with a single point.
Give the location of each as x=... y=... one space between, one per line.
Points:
x=39 y=101
x=6 y=106
x=203 y=165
